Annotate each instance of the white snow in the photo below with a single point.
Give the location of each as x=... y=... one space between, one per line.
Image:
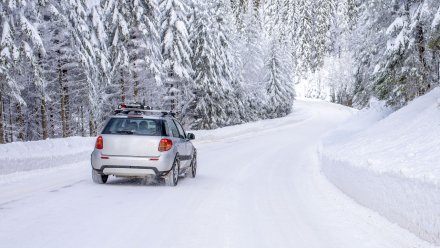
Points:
x=436 y=20
x=92 y=3
x=25 y=156
x=6 y=35
x=258 y=185
x=390 y=163
x=397 y=24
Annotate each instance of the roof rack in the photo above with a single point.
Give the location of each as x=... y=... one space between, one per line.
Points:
x=139 y=109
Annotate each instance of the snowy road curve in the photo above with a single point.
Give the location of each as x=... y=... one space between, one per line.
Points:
x=259 y=188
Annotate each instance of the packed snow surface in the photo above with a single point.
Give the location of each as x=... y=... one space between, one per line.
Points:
x=390 y=162
x=258 y=185
x=25 y=156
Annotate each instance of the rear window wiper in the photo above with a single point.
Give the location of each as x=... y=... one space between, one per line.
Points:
x=125 y=132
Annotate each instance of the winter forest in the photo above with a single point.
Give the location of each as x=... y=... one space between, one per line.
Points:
x=66 y=64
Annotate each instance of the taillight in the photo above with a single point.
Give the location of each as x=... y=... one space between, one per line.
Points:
x=165 y=145
x=99 y=143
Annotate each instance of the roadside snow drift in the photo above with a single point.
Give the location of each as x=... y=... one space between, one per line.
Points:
x=391 y=163
x=25 y=156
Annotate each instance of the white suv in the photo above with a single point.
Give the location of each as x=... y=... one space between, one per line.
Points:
x=137 y=142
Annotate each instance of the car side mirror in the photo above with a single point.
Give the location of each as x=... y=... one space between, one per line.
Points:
x=191 y=136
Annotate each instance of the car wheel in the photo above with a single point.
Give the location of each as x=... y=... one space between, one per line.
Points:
x=193 y=167
x=99 y=178
x=173 y=176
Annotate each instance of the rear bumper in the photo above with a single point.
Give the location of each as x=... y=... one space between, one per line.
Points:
x=131 y=171
x=132 y=166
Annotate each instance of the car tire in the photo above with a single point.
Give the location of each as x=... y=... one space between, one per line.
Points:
x=99 y=178
x=193 y=167
x=172 y=178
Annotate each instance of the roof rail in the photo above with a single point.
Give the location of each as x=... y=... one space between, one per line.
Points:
x=140 y=109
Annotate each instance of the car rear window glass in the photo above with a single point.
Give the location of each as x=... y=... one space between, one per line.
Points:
x=181 y=131
x=135 y=126
x=174 y=129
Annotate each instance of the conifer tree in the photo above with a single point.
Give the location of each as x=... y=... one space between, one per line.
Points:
x=118 y=26
x=252 y=48
x=176 y=52
x=20 y=47
x=229 y=64
x=279 y=82
x=207 y=107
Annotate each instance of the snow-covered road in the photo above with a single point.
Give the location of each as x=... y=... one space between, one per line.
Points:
x=258 y=185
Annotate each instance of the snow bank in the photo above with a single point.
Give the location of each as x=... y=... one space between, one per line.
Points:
x=25 y=156
x=390 y=163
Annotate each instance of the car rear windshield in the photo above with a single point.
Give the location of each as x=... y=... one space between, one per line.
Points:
x=135 y=126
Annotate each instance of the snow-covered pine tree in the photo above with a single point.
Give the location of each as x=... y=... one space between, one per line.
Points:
x=117 y=24
x=434 y=38
x=99 y=39
x=176 y=52
x=273 y=16
x=92 y=60
x=323 y=14
x=279 y=80
x=288 y=25
x=20 y=47
x=238 y=9
x=229 y=64
x=388 y=84
x=143 y=47
x=206 y=109
x=351 y=11
x=36 y=92
x=304 y=37
x=251 y=49
x=135 y=50
x=60 y=54
x=393 y=60
x=368 y=39
x=406 y=72
x=9 y=54
x=425 y=32
x=435 y=27
x=336 y=71
x=281 y=17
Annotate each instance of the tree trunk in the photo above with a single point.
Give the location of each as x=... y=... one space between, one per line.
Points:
x=92 y=127
x=67 y=109
x=83 y=134
x=136 y=88
x=52 y=123
x=20 y=123
x=2 y=131
x=63 y=101
x=62 y=112
x=122 y=88
x=173 y=102
x=11 y=134
x=44 y=118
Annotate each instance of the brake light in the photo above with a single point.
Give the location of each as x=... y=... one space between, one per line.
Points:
x=99 y=143
x=165 y=145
